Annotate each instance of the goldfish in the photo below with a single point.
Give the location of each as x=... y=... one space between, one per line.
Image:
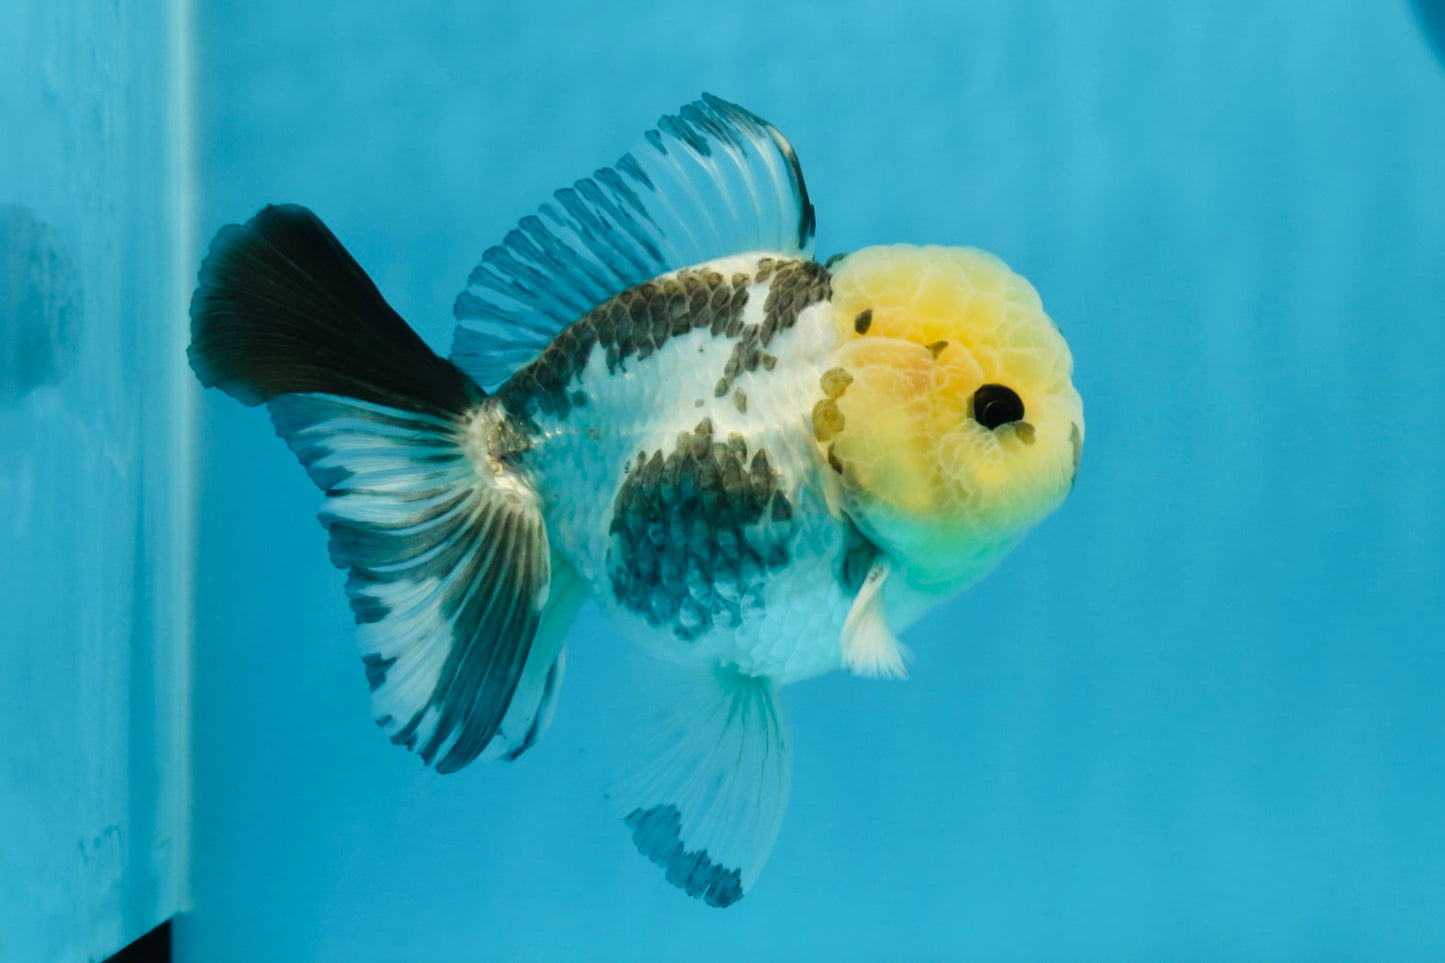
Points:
x=762 y=467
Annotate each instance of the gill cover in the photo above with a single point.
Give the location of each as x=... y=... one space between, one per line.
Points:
x=949 y=412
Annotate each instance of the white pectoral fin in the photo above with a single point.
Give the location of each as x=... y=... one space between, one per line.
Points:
x=869 y=646
x=710 y=785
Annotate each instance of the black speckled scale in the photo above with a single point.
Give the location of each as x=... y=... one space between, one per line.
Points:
x=695 y=530
x=669 y=429
x=634 y=324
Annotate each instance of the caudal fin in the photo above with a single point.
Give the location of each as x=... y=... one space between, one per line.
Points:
x=282 y=308
x=462 y=608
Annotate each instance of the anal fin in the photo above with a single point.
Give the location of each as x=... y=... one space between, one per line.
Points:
x=706 y=799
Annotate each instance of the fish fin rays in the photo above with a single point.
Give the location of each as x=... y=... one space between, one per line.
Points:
x=869 y=646
x=709 y=785
x=711 y=181
x=281 y=307
x=535 y=702
x=450 y=576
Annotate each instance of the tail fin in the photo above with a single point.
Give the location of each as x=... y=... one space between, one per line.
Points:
x=451 y=576
x=282 y=308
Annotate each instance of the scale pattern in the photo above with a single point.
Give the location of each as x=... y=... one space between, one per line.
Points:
x=695 y=532
x=668 y=429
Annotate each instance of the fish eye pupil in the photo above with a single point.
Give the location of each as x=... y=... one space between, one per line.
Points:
x=995 y=405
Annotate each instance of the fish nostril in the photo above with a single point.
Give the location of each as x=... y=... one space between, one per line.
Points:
x=995 y=405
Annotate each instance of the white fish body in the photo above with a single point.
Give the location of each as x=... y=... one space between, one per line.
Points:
x=779 y=610
x=761 y=467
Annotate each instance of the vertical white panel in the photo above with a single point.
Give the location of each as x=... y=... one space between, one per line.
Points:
x=95 y=533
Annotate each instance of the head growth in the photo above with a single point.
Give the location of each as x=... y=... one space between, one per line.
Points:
x=950 y=414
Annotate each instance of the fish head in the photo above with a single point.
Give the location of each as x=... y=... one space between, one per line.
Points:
x=949 y=412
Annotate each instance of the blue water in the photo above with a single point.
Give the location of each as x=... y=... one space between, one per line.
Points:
x=1196 y=715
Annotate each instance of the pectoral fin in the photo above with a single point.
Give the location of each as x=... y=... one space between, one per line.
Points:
x=869 y=646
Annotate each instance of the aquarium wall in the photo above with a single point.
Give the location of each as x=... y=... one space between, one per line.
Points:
x=1195 y=715
x=96 y=547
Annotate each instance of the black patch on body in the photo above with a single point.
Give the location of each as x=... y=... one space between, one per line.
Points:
x=635 y=323
x=793 y=286
x=696 y=531
x=642 y=319
x=657 y=834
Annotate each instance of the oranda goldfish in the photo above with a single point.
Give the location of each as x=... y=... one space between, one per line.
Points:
x=761 y=467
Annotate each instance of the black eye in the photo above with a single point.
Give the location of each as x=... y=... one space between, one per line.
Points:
x=995 y=405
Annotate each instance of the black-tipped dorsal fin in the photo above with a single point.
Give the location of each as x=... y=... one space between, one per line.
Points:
x=711 y=181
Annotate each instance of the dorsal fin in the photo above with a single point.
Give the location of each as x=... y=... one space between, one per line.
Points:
x=711 y=181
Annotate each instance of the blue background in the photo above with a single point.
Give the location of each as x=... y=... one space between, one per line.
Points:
x=1196 y=716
